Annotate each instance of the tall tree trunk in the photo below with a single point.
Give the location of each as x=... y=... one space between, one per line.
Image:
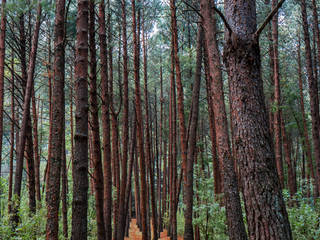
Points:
x=55 y=161
x=50 y=75
x=2 y=60
x=236 y=227
x=188 y=227
x=105 y=122
x=125 y=129
x=80 y=175
x=217 y=168
x=148 y=146
x=306 y=141
x=313 y=93
x=143 y=198
x=287 y=152
x=64 y=182
x=13 y=119
x=35 y=117
x=94 y=112
x=276 y=79
x=26 y=115
x=266 y=212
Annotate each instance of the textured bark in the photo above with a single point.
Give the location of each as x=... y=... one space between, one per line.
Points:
x=55 y=161
x=94 y=120
x=80 y=175
x=277 y=98
x=26 y=114
x=236 y=227
x=265 y=208
x=188 y=188
x=143 y=192
x=2 y=60
x=313 y=94
x=105 y=123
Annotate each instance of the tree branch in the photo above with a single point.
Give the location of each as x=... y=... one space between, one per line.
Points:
x=223 y=19
x=215 y=9
x=268 y=18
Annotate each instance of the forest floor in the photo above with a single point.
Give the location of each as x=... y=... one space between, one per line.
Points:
x=135 y=233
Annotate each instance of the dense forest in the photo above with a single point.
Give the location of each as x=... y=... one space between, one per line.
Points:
x=159 y=119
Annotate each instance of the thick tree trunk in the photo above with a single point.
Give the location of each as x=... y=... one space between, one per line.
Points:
x=266 y=212
x=80 y=175
x=236 y=226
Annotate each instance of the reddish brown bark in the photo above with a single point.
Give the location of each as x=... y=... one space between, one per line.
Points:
x=148 y=139
x=94 y=120
x=236 y=227
x=125 y=129
x=55 y=161
x=313 y=94
x=276 y=80
x=80 y=175
x=265 y=208
x=35 y=117
x=143 y=192
x=217 y=168
x=191 y=155
x=105 y=123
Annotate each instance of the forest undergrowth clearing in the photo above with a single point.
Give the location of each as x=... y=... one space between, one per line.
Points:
x=135 y=233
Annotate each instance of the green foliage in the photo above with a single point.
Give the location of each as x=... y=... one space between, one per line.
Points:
x=209 y=214
x=305 y=221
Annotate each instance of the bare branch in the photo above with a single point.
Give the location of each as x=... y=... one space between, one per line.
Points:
x=268 y=18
